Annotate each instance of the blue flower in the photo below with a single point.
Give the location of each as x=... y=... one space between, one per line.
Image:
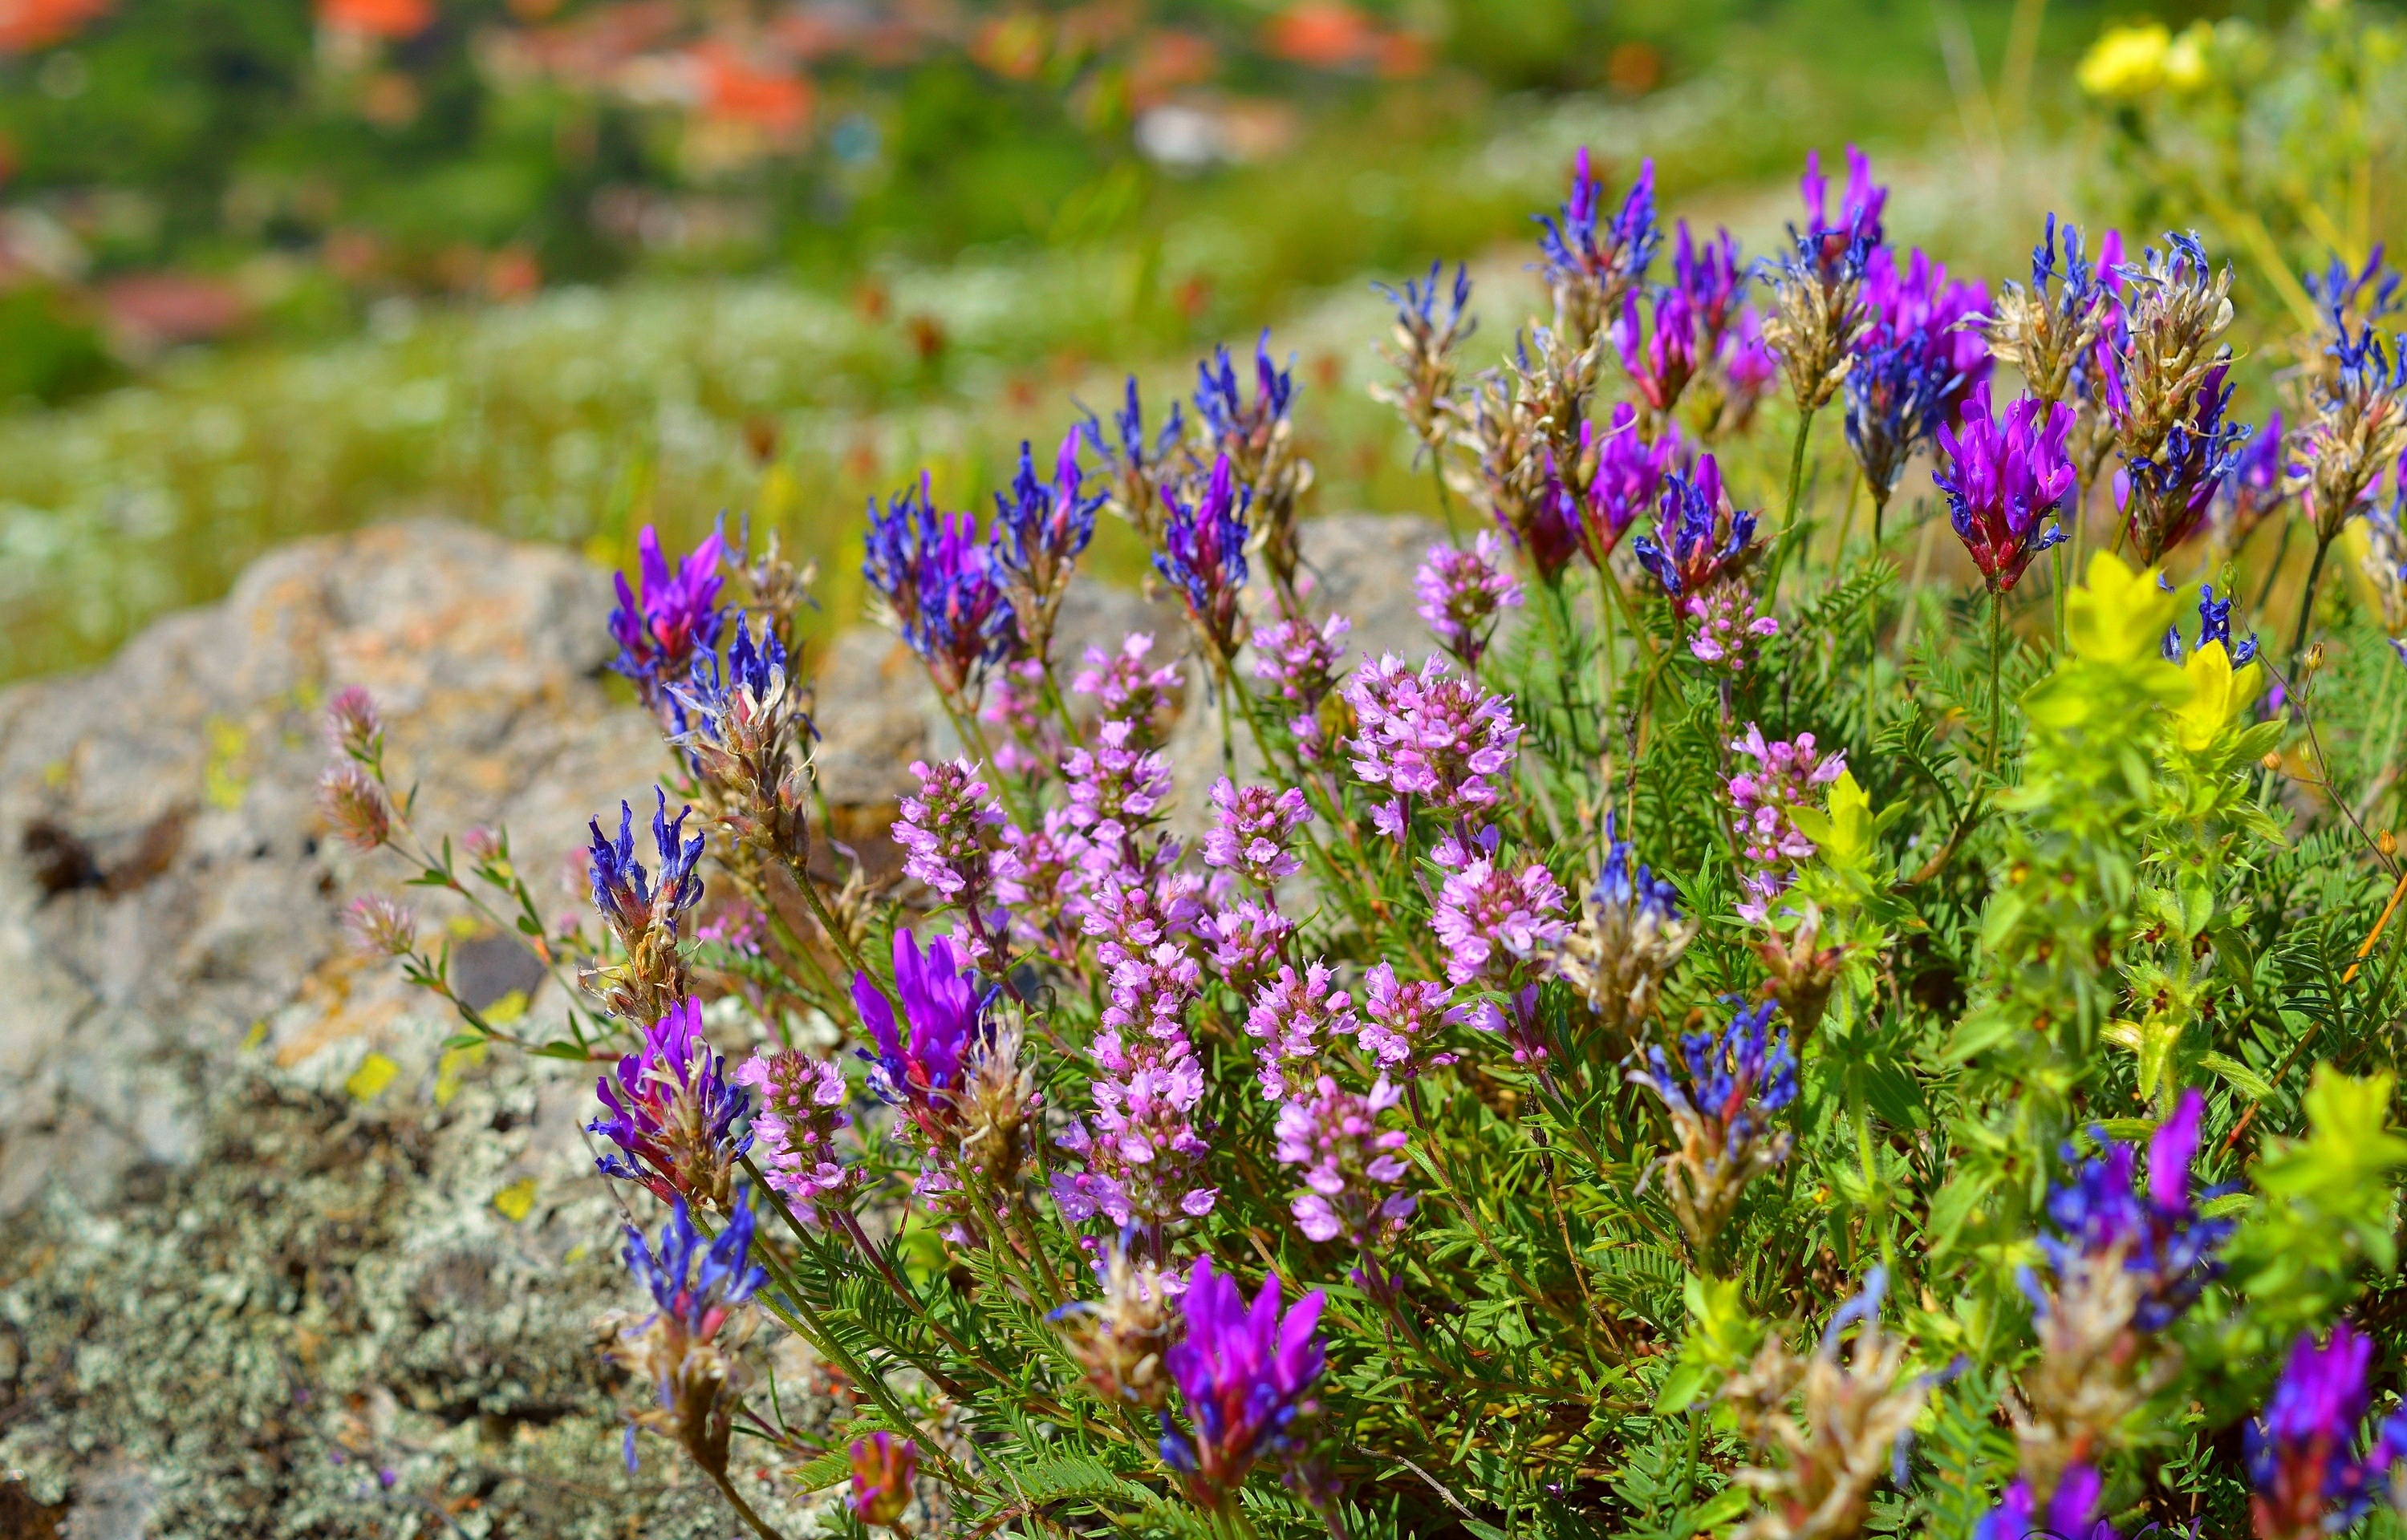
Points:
x=1417 y=307
x=1237 y=429
x=694 y=1284
x=673 y=1113
x=623 y=889
x=2163 y=1240
x=2166 y=495
x=1698 y=541
x=1204 y=554
x=2214 y=625
x=1621 y=884
x=1041 y=527
x=659 y=630
x=1245 y=1375
x=1590 y=264
x=940 y=587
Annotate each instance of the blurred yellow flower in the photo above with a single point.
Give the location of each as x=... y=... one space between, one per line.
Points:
x=2186 y=63
x=2126 y=61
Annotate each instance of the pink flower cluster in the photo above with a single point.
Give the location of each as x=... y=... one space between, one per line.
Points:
x=1433 y=734
x=1493 y=920
x=1401 y=1019
x=1129 y=689
x=1300 y=660
x=1335 y=1134
x=1141 y=1149
x=946 y=831
x=1786 y=774
x=1293 y=1016
x=1249 y=835
x=793 y=1135
x=1462 y=593
x=1723 y=625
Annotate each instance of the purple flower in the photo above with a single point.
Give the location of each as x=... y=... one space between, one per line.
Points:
x=1203 y=556
x=946 y=831
x=2162 y=1241
x=622 y=888
x=2166 y=495
x=1629 y=935
x=2301 y=1452
x=672 y=1113
x=1115 y=790
x=1142 y=1153
x=918 y=1066
x=1130 y=690
x=2004 y=484
x=1627 y=480
x=883 y=1470
x=1249 y=943
x=1713 y=282
x=1236 y=430
x=354 y=728
x=1845 y=241
x=2071 y=1513
x=1030 y=739
x=1721 y=1099
x=1915 y=365
x=1492 y=920
x=1589 y=264
x=686 y=1348
x=1245 y=1376
x=697 y=1285
x=1292 y=1020
x=1040 y=873
x=1135 y=464
x=793 y=1135
x=1747 y=366
x=1786 y=773
x=1301 y=659
x=940 y=588
x=1433 y=734
x=1400 y=1020
x=1132 y=907
x=1335 y=1134
x=677 y=615
x=2261 y=482
x=2214 y=625
x=1461 y=593
x=1040 y=529
x=1699 y=540
x=1250 y=830
x=1661 y=362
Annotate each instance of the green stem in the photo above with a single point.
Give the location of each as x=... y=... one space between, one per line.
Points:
x=2273 y=573
x=2307 y=604
x=761 y=1526
x=1997 y=655
x=1445 y=498
x=1795 y=492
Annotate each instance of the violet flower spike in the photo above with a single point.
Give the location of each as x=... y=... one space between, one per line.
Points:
x=940 y=588
x=1250 y=831
x=1590 y=264
x=921 y=1055
x=675 y=615
x=2157 y=1230
x=2310 y=1482
x=1721 y=1099
x=1245 y=1376
x=2005 y=486
x=1713 y=282
x=1347 y=1162
x=1203 y=556
x=1698 y=541
x=1627 y=480
x=2166 y=495
x=1461 y=592
x=1041 y=529
x=690 y=1347
x=1659 y=362
x=2071 y=1512
x=671 y=1113
x=1134 y=466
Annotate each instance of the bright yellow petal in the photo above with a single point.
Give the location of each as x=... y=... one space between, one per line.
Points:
x=2126 y=61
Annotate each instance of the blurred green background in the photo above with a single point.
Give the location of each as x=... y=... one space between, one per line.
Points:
x=566 y=266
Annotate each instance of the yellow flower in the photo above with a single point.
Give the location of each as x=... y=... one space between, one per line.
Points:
x=2127 y=62
x=2185 y=66
x=2119 y=615
x=2217 y=693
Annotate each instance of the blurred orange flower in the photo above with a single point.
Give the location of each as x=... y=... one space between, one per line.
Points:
x=1323 y=33
x=736 y=89
x=29 y=24
x=397 y=19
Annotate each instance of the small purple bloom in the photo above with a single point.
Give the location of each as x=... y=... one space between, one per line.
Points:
x=673 y=1113
x=1135 y=464
x=1249 y=943
x=1236 y=429
x=1699 y=540
x=1461 y=593
x=883 y=1470
x=1129 y=689
x=1401 y=1019
x=946 y=831
x=2302 y=1451
x=1245 y=1376
x=1335 y=1134
x=1714 y=281
x=677 y=615
x=1787 y=774
x=2163 y=1240
x=1115 y=790
x=2261 y=481
x=941 y=587
x=2005 y=485
x=623 y=890
x=919 y=1059
x=1491 y=919
x=1659 y=362
x=1627 y=480
x=1204 y=554
x=1250 y=831
x=1301 y=659
x=696 y=1281
x=1433 y=734
x=2166 y=495
x=2071 y=1513
x=1039 y=531
x=793 y=1135
x=1845 y=241
x=1589 y=262
x=1293 y=1019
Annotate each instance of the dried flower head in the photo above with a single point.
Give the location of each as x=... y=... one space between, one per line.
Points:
x=1257 y=440
x=352 y=802
x=381 y=927
x=690 y=1347
x=1136 y=467
x=746 y=736
x=1430 y=323
x=1040 y=529
x=2050 y=330
x=645 y=916
x=1721 y=1100
x=1629 y=935
x=1119 y=1339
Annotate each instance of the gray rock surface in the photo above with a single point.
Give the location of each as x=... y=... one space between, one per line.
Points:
x=266 y=1245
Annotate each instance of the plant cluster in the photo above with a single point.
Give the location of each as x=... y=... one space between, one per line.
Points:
x=1722 y=1044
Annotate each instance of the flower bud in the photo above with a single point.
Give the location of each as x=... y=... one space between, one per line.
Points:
x=2273 y=761
x=2387 y=843
x=2315 y=658
x=883 y=1470
x=354 y=727
x=379 y=925
x=354 y=806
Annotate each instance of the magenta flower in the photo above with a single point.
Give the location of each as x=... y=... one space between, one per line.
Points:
x=1301 y=662
x=1204 y=554
x=1629 y=479
x=883 y=1469
x=1786 y=774
x=354 y=805
x=793 y=1135
x=1461 y=593
x=940 y=588
x=1245 y=1376
x=1661 y=362
x=1335 y=1134
x=1031 y=741
x=1142 y=1153
x=1129 y=689
x=2071 y=1513
x=1130 y=909
x=1713 y=282
x=1291 y=1020
x=2164 y=1245
x=2302 y=1451
x=920 y=1056
x=1401 y=1019
x=677 y=615
x=1699 y=540
x=1250 y=831
x=1115 y=788
x=1920 y=307
x=1723 y=625
x=946 y=831
x=1856 y=226
x=1435 y=735
x=1492 y=920
x=1249 y=943
x=1040 y=874
x=2005 y=484
x=672 y=1113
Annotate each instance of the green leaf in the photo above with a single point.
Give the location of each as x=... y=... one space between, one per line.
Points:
x=2238 y=1076
x=561 y=1048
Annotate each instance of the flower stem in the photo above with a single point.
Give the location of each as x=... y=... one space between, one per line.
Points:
x=1444 y=500
x=2307 y=604
x=1789 y=518
x=1997 y=655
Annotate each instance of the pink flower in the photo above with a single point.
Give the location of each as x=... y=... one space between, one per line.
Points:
x=1786 y=776
x=802 y=1106
x=1292 y=1016
x=1491 y=919
x=1334 y=1136
x=1432 y=734
x=1251 y=834
x=1461 y=593
x=1400 y=1019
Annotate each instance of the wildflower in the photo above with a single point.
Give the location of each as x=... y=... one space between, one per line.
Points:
x=1300 y=660
x=1511 y=476
x=946 y=831
x=1245 y=1376
x=2214 y=625
x=920 y=1058
x=1699 y=540
x=1818 y=313
x=644 y=916
x=354 y=727
x=939 y=585
x=2261 y=481
x=2359 y=427
x=883 y=1470
x=1590 y=266
x=1492 y=921
x=1627 y=480
x=2067 y=1515
x=2166 y=495
x=1401 y=1019
x=1433 y=734
x=1292 y=1018
x=1249 y=943
x=1039 y=874
x=1119 y=1339
x=997 y=1102
x=1115 y=791
x=1462 y=593
x=2126 y=1260
x=793 y=1135
x=672 y=1113
x=1040 y=529
x=1428 y=330
x=1135 y=468
x=1712 y=282
x=1143 y=1155
x=354 y=804
x=381 y=927
x=1918 y=307
x=2301 y=1452
x=1661 y=362
x=1203 y=556
x=1251 y=828
x=1334 y=1136
x=1257 y=441
x=1855 y=1421
x=2004 y=484
x=2050 y=330
x=1130 y=690
x=690 y=1347
x=1721 y=1102
x=1897 y=393
x=1723 y=625
x=1629 y=935
x=677 y=615
x=1132 y=906
x=1786 y=775
x=747 y=740
x=2171 y=339
x=1016 y=701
